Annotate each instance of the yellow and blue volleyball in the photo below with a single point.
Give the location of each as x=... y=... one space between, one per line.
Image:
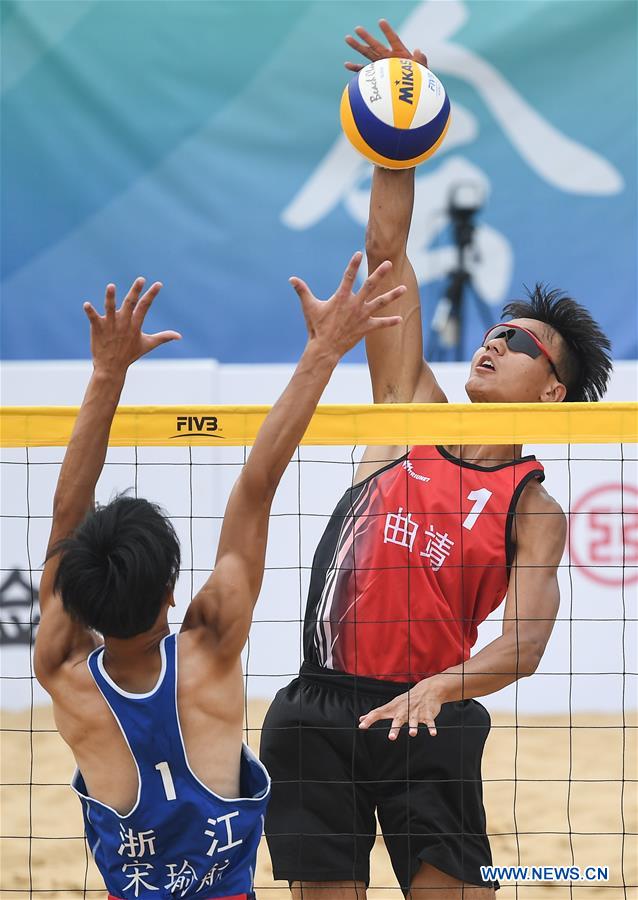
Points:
x=395 y=112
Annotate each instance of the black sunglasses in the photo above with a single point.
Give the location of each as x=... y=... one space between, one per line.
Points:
x=520 y=340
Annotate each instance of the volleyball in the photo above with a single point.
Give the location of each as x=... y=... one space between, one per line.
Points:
x=395 y=112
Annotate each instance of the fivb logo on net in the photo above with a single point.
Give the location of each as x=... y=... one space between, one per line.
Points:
x=558 y=160
x=196 y=426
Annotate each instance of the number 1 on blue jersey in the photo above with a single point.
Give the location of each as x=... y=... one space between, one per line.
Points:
x=167 y=780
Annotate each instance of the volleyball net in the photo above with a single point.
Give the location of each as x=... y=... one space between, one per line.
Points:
x=559 y=770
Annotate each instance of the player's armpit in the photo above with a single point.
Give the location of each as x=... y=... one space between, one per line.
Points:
x=427 y=389
x=222 y=610
x=533 y=596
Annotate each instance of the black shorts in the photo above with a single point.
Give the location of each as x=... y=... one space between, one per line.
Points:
x=329 y=778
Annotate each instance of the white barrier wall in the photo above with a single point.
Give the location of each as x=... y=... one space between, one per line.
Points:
x=593 y=642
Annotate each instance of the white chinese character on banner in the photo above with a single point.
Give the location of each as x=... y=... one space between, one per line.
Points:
x=400 y=529
x=437 y=548
x=136 y=845
x=229 y=834
x=139 y=870
x=213 y=875
x=182 y=880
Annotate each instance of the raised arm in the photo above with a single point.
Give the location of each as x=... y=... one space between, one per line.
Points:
x=531 y=607
x=398 y=371
x=117 y=341
x=225 y=604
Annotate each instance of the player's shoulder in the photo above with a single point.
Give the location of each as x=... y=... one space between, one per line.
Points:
x=77 y=703
x=56 y=672
x=538 y=511
x=536 y=498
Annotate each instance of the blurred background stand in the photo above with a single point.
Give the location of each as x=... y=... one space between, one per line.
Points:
x=445 y=335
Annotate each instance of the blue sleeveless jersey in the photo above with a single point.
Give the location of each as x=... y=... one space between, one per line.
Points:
x=180 y=839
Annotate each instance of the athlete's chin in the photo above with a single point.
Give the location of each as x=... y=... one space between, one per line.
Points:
x=480 y=392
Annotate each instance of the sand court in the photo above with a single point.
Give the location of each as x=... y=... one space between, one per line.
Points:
x=554 y=795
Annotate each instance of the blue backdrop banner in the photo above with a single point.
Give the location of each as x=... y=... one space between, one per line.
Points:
x=198 y=143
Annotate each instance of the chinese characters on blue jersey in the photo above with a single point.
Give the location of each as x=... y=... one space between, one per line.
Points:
x=139 y=849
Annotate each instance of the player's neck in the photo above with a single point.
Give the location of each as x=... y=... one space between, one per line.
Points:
x=135 y=663
x=486 y=454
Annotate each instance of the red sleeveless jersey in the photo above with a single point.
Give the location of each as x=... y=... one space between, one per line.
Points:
x=412 y=560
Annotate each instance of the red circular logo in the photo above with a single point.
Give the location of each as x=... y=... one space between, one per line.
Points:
x=603 y=534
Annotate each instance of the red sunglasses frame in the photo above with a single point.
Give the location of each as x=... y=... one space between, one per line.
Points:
x=530 y=334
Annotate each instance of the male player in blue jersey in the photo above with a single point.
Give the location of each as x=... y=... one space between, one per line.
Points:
x=173 y=801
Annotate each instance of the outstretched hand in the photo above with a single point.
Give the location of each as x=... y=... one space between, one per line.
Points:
x=373 y=49
x=117 y=339
x=340 y=322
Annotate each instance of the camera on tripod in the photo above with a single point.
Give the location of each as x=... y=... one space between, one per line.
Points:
x=467 y=199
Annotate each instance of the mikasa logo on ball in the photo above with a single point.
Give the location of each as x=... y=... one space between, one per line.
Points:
x=406 y=89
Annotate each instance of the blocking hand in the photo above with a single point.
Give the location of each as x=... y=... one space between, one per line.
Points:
x=117 y=339
x=340 y=322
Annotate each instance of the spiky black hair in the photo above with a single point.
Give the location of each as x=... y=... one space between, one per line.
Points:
x=118 y=566
x=585 y=361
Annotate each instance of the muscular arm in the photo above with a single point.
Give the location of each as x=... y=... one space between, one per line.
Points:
x=530 y=608
x=530 y=612
x=398 y=371
x=59 y=636
x=225 y=604
x=116 y=341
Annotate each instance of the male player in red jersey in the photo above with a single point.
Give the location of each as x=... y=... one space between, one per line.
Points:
x=416 y=555
x=173 y=802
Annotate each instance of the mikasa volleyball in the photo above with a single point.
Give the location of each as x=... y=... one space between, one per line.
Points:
x=395 y=112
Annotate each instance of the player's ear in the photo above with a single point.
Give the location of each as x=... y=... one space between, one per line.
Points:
x=554 y=392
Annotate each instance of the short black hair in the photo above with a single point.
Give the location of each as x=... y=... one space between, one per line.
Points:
x=118 y=566
x=585 y=362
